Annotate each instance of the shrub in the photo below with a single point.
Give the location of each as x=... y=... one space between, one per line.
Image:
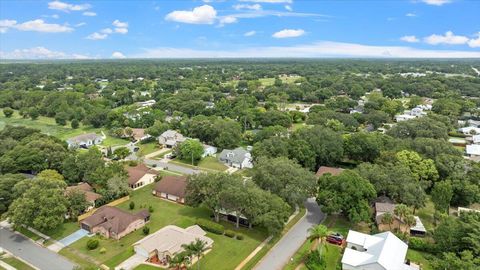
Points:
x=240 y=236
x=132 y=205
x=74 y=124
x=210 y=226
x=8 y=112
x=92 y=244
x=150 y=209
x=229 y=233
x=314 y=261
x=132 y=163
x=103 y=250
x=146 y=230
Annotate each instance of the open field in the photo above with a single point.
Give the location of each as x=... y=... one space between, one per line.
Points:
x=166 y=213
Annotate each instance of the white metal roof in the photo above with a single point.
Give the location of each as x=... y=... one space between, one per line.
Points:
x=473 y=149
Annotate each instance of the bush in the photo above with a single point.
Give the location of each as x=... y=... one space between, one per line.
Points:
x=132 y=163
x=92 y=244
x=210 y=226
x=131 y=205
x=229 y=233
x=148 y=140
x=240 y=236
x=74 y=124
x=8 y=112
x=146 y=230
x=103 y=250
x=150 y=209
x=314 y=261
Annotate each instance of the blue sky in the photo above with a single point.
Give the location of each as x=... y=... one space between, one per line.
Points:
x=239 y=28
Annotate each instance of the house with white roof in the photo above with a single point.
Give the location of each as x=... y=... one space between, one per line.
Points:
x=471 y=130
x=170 y=138
x=84 y=140
x=476 y=139
x=383 y=251
x=473 y=150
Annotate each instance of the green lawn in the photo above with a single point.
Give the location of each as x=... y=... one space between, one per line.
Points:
x=28 y=233
x=207 y=163
x=426 y=214
x=419 y=257
x=19 y=265
x=162 y=154
x=146 y=267
x=166 y=213
x=331 y=254
x=147 y=148
x=63 y=230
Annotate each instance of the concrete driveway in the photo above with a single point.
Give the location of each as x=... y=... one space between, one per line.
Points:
x=131 y=262
x=281 y=253
x=74 y=237
x=34 y=254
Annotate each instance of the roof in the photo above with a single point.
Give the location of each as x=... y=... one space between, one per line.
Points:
x=418 y=225
x=384 y=207
x=331 y=170
x=137 y=172
x=476 y=138
x=473 y=149
x=138 y=133
x=170 y=133
x=113 y=219
x=384 y=249
x=84 y=138
x=174 y=185
x=236 y=155
x=85 y=188
x=171 y=238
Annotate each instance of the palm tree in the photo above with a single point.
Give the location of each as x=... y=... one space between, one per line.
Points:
x=387 y=218
x=318 y=233
x=179 y=259
x=401 y=210
x=196 y=248
x=410 y=220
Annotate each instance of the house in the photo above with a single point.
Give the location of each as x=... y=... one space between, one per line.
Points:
x=464 y=209
x=381 y=208
x=473 y=150
x=476 y=139
x=171 y=188
x=112 y=222
x=237 y=158
x=162 y=245
x=139 y=134
x=208 y=150
x=404 y=117
x=147 y=103
x=84 y=140
x=331 y=170
x=140 y=175
x=471 y=130
x=418 y=229
x=90 y=196
x=170 y=138
x=383 y=251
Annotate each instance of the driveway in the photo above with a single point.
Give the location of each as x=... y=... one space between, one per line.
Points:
x=74 y=237
x=281 y=253
x=170 y=166
x=34 y=254
x=131 y=262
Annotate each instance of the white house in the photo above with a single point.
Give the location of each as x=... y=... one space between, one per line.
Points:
x=170 y=138
x=404 y=117
x=147 y=103
x=208 y=150
x=476 y=139
x=140 y=176
x=383 y=251
x=85 y=140
x=238 y=158
x=469 y=130
x=473 y=150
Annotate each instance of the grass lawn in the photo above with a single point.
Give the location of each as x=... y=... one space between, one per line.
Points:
x=147 y=148
x=332 y=255
x=207 y=163
x=28 y=233
x=146 y=267
x=419 y=257
x=162 y=154
x=166 y=213
x=19 y=265
x=73 y=256
x=63 y=230
x=426 y=214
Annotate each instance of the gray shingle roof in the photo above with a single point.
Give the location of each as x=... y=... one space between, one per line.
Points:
x=236 y=155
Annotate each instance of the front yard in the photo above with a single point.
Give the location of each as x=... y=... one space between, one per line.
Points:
x=207 y=163
x=166 y=213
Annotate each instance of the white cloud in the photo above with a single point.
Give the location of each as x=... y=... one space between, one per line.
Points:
x=448 y=38
x=475 y=42
x=289 y=33
x=39 y=25
x=205 y=14
x=314 y=50
x=247 y=6
x=250 y=33
x=80 y=56
x=411 y=14
x=121 y=30
x=227 y=20
x=57 y=5
x=106 y=31
x=97 y=36
x=411 y=39
x=269 y=1
x=5 y=24
x=436 y=2
x=89 y=13
x=118 y=55
x=288 y=7
x=40 y=53
x=80 y=24
x=120 y=24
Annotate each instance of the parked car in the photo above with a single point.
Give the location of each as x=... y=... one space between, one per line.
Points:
x=335 y=238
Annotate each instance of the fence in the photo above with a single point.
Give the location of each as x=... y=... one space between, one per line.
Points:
x=112 y=203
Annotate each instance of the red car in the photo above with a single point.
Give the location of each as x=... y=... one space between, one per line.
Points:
x=335 y=239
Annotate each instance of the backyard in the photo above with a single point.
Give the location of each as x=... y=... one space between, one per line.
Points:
x=166 y=213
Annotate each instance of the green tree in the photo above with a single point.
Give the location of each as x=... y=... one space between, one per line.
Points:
x=401 y=211
x=8 y=112
x=7 y=182
x=76 y=204
x=423 y=170
x=33 y=113
x=191 y=150
x=387 y=218
x=74 y=124
x=121 y=152
x=197 y=249
x=442 y=194
x=61 y=118
x=318 y=233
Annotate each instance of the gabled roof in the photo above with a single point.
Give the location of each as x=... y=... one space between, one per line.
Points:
x=236 y=155
x=84 y=137
x=85 y=188
x=137 y=172
x=331 y=170
x=384 y=249
x=174 y=185
x=114 y=219
x=170 y=133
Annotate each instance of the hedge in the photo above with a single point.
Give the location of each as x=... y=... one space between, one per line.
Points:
x=230 y=233
x=210 y=226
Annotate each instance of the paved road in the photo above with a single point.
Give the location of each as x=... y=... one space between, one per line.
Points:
x=281 y=253
x=40 y=257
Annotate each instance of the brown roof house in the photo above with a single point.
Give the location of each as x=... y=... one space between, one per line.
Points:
x=90 y=196
x=139 y=134
x=331 y=170
x=112 y=222
x=140 y=175
x=171 y=188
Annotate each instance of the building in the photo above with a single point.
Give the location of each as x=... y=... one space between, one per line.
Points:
x=476 y=139
x=381 y=208
x=84 y=140
x=331 y=170
x=471 y=130
x=147 y=103
x=473 y=150
x=90 y=196
x=171 y=188
x=140 y=175
x=112 y=222
x=162 y=245
x=208 y=150
x=237 y=158
x=138 y=134
x=170 y=138
x=383 y=251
